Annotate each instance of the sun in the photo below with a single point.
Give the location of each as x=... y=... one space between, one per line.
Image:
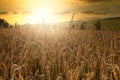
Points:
x=42 y=14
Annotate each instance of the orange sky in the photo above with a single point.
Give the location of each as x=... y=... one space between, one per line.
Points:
x=32 y=11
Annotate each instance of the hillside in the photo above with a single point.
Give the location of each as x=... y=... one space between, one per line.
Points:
x=106 y=23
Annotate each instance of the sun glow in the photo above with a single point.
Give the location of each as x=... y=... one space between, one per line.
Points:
x=35 y=11
x=42 y=14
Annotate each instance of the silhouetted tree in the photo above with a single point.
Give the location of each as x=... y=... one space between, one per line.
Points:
x=4 y=23
x=83 y=25
x=98 y=25
x=73 y=26
x=15 y=24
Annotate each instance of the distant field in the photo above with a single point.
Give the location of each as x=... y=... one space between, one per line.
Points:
x=111 y=24
x=59 y=54
x=106 y=24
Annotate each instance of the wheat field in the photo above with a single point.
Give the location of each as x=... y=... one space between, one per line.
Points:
x=59 y=54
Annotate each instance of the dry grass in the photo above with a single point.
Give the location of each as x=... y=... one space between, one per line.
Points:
x=37 y=54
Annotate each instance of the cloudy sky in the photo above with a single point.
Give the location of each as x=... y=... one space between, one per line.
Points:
x=33 y=11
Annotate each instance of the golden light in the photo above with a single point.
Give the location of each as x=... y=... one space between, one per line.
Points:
x=34 y=11
x=43 y=13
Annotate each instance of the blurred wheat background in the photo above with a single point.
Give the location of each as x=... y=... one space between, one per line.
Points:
x=57 y=54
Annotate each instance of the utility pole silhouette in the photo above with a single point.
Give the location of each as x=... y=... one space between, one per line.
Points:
x=15 y=24
x=43 y=22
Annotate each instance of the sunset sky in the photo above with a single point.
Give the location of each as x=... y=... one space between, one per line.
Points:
x=33 y=11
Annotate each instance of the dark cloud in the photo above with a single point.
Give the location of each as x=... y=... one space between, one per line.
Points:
x=3 y=13
x=97 y=0
x=94 y=12
x=88 y=12
x=94 y=0
x=100 y=13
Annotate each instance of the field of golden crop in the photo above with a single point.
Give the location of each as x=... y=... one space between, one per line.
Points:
x=57 y=54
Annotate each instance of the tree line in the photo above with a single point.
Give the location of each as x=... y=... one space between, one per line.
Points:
x=97 y=25
x=4 y=24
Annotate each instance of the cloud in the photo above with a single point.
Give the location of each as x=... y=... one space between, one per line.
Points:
x=94 y=12
x=26 y=12
x=88 y=12
x=91 y=1
x=114 y=9
x=15 y=12
x=100 y=13
x=63 y=12
x=3 y=13
x=94 y=0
